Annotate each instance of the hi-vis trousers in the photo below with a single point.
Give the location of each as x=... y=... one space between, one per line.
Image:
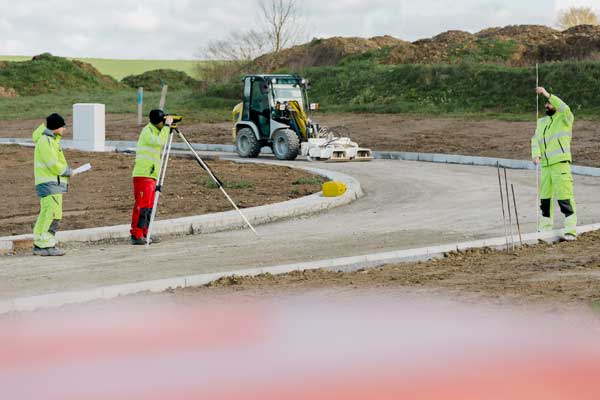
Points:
x=557 y=183
x=47 y=223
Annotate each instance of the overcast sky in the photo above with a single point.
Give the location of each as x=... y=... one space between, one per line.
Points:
x=178 y=29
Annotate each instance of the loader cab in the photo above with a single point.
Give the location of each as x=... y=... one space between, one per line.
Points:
x=257 y=104
x=262 y=94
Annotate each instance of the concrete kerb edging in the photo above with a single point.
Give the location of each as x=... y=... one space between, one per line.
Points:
x=53 y=300
x=216 y=222
x=123 y=145
x=476 y=161
x=382 y=155
x=473 y=160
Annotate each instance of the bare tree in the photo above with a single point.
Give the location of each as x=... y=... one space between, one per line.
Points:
x=226 y=58
x=283 y=24
x=280 y=24
x=577 y=16
x=238 y=46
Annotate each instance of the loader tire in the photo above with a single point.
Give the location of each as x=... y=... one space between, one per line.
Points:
x=286 y=145
x=246 y=143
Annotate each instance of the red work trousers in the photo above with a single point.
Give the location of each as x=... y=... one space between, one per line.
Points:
x=143 y=192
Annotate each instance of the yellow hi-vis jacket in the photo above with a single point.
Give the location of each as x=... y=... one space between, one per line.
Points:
x=148 y=151
x=552 y=139
x=50 y=167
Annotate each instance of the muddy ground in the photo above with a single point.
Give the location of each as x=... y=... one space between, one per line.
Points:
x=103 y=196
x=555 y=277
x=393 y=132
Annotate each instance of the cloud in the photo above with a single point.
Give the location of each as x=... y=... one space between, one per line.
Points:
x=140 y=21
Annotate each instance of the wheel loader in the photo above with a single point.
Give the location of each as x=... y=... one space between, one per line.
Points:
x=275 y=112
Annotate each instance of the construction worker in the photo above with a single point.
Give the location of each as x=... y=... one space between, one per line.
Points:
x=51 y=181
x=145 y=173
x=551 y=147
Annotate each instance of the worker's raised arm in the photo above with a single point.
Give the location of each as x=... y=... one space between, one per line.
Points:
x=557 y=103
x=561 y=106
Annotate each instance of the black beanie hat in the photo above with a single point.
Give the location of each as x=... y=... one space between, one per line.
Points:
x=54 y=121
x=157 y=116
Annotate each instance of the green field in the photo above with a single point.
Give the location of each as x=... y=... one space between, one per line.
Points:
x=119 y=69
x=193 y=106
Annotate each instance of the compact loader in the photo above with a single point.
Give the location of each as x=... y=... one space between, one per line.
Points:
x=275 y=113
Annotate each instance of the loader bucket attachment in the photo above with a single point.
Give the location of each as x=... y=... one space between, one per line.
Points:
x=363 y=155
x=339 y=156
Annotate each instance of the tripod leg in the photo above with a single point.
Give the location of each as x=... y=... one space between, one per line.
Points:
x=162 y=172
x=216 y=180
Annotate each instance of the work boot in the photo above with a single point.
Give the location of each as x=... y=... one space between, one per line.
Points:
x=154 y=239
x=138 y=241
x=48 y=252
x=569 y=237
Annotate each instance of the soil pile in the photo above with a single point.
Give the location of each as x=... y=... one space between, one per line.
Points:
x=577 y=43
x=513 y=45
x=46 y=73
x=153 y=80
x=322 y=52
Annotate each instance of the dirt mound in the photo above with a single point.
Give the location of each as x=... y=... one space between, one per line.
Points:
x=321 y=52
x=46 y=73
x=453 y=37
x=153 y=80
x=514 y=45
x=578 y=43
x=438 y=49
x=524 y=34
x=90 y=69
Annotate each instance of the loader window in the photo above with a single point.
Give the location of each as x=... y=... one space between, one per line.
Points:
x=260 y=109
x=246 y=99
x=287 y=93
x=259 y=100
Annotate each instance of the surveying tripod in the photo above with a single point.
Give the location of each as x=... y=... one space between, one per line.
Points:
x=162 y=171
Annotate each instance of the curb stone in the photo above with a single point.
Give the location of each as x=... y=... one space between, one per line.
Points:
x=216 y=222
x=354 y=263
x=382 y=155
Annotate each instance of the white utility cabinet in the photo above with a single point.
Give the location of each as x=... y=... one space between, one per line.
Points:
x=89 y=126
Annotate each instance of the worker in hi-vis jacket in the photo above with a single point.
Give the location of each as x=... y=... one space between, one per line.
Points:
x=551 y=148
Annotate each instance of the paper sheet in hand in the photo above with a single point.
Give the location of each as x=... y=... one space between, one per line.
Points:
x=83 y=168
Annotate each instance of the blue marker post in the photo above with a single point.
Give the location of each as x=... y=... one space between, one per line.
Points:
x=140 y=102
